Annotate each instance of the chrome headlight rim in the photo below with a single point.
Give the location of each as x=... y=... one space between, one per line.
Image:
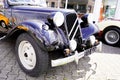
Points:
x=58 y=19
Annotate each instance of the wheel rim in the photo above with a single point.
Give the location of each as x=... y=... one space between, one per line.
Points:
x=27 y=55
x=3 y=24
x=112 y=37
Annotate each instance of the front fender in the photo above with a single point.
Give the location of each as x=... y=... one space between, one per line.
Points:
x=104 y=24
x=35 y=27
x=50 y=38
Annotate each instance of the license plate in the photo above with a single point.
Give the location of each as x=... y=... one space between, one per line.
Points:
x=89 y=51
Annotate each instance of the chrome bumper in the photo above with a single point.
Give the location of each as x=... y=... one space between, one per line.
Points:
x=76 y=56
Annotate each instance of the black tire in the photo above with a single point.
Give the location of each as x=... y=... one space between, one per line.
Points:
x=39 y=61
x=111 y=36
x=3 y=24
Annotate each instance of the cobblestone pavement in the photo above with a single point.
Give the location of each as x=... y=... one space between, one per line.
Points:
x=98 y=66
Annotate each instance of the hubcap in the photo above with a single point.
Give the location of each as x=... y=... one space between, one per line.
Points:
x=112 y=37
x=27 y=55
x=3 y=24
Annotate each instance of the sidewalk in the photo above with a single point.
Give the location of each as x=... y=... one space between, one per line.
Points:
x=98 y=66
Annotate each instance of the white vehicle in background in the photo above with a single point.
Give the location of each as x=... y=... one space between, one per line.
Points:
x=110 y=27
x=110 y=31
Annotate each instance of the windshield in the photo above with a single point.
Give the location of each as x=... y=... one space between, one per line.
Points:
x=30 y=2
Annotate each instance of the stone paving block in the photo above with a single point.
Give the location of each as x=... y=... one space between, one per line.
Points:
x=8 y=68
x=12 y=77
x=68 y=77
x=59 y=77
x=30 y=78
x=16 y=65
x=6 y=51
x=50 y=76
x=78 y=73
x=3 y=74
x=41 y=77
x=10 y=54
x=78 y=77
x=3 y=64
x=6 y=59
x=11 y=62
x=1 y=67
x=3 y=58
x=20 y=79
x=14 y=71
x=2 y=79
x=66 y=68
x=51 y=72
x=59 y=71
x=73 y=67
x=21 y=76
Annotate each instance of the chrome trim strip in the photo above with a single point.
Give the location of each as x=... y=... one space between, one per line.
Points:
x=75 y=32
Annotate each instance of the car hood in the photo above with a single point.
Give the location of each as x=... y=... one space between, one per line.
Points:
x=43 y=9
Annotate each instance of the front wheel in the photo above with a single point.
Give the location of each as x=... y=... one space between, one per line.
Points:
x=3 y=24
x=112 y=36
x=31 y=58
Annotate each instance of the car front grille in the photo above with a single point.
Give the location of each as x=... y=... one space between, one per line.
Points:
x=72 y=22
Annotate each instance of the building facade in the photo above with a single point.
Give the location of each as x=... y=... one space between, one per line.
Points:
x=54 y=3
x=79 y=5
x=1 y=1
x=1 y=4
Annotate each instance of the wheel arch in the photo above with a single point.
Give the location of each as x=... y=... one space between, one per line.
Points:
x=5 y=20
x=30 y=29
x=2 y=21
x=111 y=26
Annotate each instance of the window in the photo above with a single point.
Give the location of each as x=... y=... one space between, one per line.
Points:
x=70 y=6
x=47 y=3
x=110 y=8
x=53 y=4
x=82 y=8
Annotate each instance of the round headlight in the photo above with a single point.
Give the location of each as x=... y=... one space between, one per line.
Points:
x=73 y=44
x=58 y=19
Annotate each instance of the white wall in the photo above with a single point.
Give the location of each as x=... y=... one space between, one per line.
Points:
x=96 y=11
x=117 y=13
